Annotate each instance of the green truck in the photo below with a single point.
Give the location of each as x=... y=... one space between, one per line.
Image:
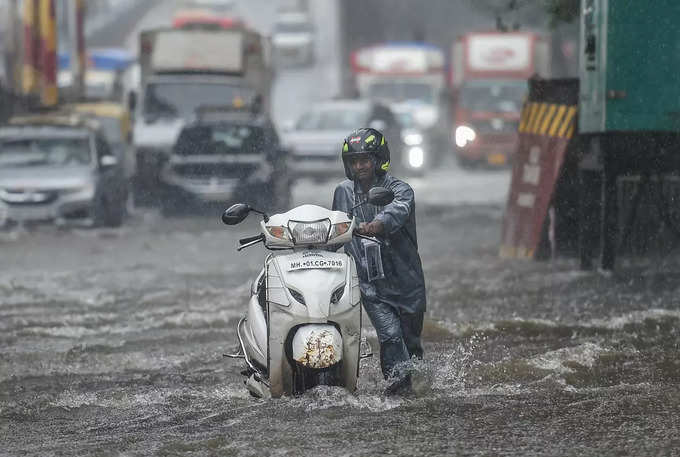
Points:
x=629 y=111
x=630 y=66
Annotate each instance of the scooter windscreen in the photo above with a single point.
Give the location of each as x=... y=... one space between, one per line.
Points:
x=307 y=225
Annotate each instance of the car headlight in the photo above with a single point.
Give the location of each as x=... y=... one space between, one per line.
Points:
x=464 y=135
x=416 y=157
x=413 y=139
x=310 y=232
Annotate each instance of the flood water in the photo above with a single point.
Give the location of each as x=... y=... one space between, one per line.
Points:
x=111 y=343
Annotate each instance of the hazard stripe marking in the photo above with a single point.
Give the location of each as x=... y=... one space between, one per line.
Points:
x=567 y=122
x=547 y=118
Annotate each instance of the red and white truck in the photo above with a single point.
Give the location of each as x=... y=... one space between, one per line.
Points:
x=489 y=73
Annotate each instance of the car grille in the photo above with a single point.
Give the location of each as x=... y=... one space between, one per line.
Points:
x=214 y=170
x=26 y=197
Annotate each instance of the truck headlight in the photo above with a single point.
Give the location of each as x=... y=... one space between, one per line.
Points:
x=464 y=135
x=416 y=157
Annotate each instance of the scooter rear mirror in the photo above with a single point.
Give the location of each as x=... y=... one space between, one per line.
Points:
x=235 y=214
x=380 y=196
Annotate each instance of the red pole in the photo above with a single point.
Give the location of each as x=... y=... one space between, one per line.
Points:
x=30 y=70
x=48 y=56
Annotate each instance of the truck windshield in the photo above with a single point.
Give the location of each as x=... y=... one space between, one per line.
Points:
x=494 y=96
x=34 y=152
x=391 y=92
x=180 y=100
x=221 y=139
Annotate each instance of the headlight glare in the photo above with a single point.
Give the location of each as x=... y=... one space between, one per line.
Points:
x=413 y=139
x=464 y=135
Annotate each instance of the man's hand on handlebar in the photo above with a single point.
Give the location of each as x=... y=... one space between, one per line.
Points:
x=371 y=228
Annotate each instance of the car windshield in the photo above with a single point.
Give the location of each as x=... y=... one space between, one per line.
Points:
x=333 y=119
x=56 y=152
x=221 y=139
x=182 y=99
x=391 y=92
x=494 y=96
x=292 y=27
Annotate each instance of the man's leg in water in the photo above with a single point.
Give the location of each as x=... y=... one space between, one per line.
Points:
x=411 y=328
x=393 y=351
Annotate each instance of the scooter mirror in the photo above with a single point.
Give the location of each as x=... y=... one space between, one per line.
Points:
x=235 y=214
x=380 y=196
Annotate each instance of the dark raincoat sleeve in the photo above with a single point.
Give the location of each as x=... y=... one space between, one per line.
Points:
x=340 y=199
x=397 y=213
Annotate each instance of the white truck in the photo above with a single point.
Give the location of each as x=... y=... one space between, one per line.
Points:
x=183 y=70
x=408 y=75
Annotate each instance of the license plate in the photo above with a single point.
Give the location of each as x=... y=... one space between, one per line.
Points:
x=308 y=264
x=496 y=159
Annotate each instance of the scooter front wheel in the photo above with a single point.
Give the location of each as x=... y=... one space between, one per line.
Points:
x=305 y=378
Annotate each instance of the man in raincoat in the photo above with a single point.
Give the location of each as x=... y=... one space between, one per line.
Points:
x=390 y=272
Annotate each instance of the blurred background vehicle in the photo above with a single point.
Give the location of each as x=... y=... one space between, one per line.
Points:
x=224 y=156
x=106 y=71
x=313 y=138
x=489 y=80
x=55 y=167
x=293 y=39
x=412 y=74
x=182 y=69
x=417 y=145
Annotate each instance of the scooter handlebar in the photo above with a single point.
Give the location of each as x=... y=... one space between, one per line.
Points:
x=250 y=239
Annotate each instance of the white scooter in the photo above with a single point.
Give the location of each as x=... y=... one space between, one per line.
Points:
x=303 y=324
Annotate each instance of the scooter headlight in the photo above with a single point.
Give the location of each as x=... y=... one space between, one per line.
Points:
x=310 y=232
x=464 y=135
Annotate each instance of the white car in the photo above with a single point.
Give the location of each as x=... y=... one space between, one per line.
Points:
x=293 y=39
x=315 y=140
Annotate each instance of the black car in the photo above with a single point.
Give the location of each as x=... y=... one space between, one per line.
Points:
x=225 y=157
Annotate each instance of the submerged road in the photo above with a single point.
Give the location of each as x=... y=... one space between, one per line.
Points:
x=111 y=340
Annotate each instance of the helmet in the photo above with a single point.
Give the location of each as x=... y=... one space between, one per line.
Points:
x=366 y=141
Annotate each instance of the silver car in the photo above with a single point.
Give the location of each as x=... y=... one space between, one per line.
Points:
x=53 y=171
x=315 y=140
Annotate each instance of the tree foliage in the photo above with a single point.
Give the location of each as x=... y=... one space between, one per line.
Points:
x=555 y=11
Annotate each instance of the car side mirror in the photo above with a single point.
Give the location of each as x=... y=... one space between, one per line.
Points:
x=380 y=196
x=108 y=161
x=236 y=214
